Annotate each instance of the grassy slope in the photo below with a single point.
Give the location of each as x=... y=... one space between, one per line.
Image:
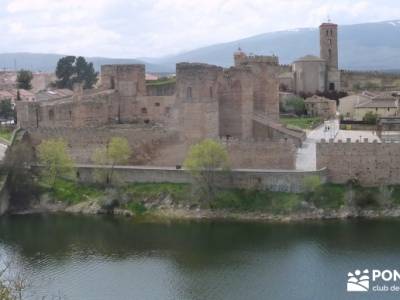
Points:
x=328 y=196
x=6 y=133
x=301 y=122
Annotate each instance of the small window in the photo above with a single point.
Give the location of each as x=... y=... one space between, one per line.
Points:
x=51 y=115
x=376 y=109
x=157 y=104
x=327 y=32
x=330 y=53
x=144 y=110
x=211 y=92
x=331 y=32
x=331 y=86
x=388 y=109
x=330 y=42
x=112 y=83
x=70 y=115
x=189 y=93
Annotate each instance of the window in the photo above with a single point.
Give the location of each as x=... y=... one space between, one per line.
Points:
x=327 y=32
x=144 y=110
x=51 y=115
x=157 y=104
x=70 y=115
x=331 y=32
x=330 y=53
x=211 y=92
x=330 y=42
x=388 y=109
x=331 y=86
x=189 y=93
x=112 y=83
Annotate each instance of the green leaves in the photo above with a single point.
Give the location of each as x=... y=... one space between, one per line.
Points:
x=55 y=161
x=24 y=79
x=117 y=152
x=207 y=155
x=72 y=70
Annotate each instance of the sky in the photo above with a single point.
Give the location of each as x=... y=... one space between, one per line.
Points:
x=154 y=28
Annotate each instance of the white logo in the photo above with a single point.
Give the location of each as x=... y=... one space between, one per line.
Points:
x=358 y=282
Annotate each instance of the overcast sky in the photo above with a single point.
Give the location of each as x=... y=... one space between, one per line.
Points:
x=138 y=28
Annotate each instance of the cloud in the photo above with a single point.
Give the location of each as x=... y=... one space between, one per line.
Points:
x=125 y=28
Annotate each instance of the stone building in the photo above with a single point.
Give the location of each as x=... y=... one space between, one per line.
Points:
x=320 y=107
x=239 y=105
x=311 y=74
x=355 y=107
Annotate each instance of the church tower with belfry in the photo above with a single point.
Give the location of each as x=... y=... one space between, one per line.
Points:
x=329 y=52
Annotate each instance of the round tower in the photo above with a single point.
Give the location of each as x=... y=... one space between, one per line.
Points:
x=329 y=44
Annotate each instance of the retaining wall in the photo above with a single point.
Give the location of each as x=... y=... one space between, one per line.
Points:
x=274 y=180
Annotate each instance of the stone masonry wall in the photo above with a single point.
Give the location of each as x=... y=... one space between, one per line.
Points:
x=366 y=80
x=371 y=163
x=145 y=140
x=274 y=180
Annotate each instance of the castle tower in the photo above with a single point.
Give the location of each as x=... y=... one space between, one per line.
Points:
x=197 y=95
x=328 y=33
x=239 y=57
x=329 y=44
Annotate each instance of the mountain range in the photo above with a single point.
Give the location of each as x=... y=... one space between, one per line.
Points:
x=369 y=46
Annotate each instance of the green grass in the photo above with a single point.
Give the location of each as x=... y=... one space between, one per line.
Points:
x=72 y=192
x=162 y=81
x=6 y=133
x=137 y=208
x=301 y=122
x=250 y=200
x=329 y=196
x=178 y=192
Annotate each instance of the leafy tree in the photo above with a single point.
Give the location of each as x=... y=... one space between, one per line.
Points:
x=296 y=104
x=72 y=70
x=311 y=185
x=117 y=152
x=6 y=109
x=85 y=73
x=24 y=79
x=55 y=161
x=370 y=118
x=65 y=71
x=204 y=160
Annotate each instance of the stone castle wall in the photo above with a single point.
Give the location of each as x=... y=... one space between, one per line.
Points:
x=145 y=140
x=370 y=163
x=369 y=80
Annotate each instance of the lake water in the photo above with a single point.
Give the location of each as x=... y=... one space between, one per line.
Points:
x=80 y=257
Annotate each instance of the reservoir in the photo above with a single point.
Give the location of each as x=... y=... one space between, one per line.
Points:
x=102 y=257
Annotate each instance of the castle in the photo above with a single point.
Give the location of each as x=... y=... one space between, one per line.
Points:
x=239 y=105
x=241 y=102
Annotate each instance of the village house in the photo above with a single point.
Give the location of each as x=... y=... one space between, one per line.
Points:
x=317 y=106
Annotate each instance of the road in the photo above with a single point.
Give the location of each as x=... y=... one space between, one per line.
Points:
x=306 y=155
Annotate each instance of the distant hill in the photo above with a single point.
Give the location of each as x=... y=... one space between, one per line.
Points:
x=48 y=62
x=370 y=46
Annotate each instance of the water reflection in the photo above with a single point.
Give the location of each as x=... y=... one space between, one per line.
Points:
x=115 y=258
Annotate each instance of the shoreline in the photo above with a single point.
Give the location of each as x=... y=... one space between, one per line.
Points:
x=170 y=214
